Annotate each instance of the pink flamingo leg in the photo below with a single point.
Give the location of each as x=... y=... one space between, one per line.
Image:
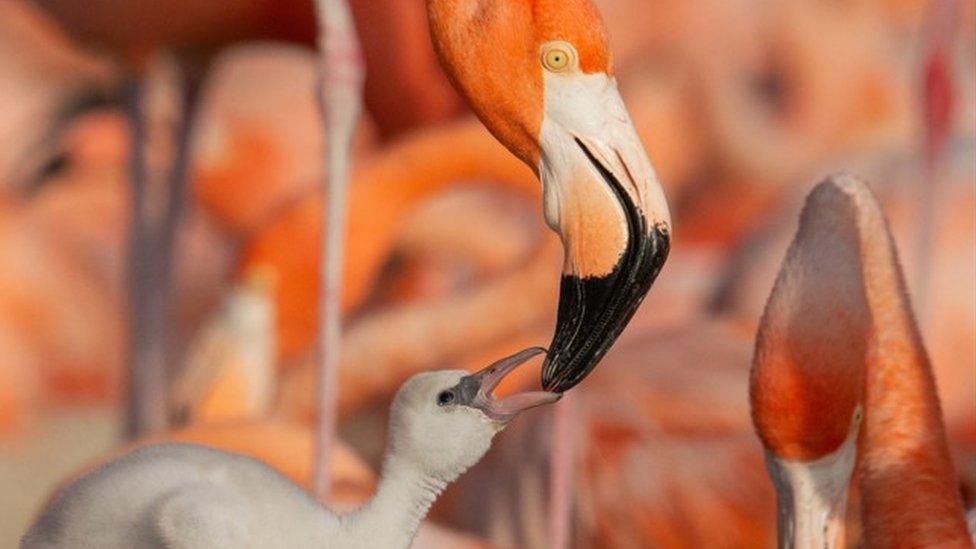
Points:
x=145 y=402
x=152 y=244
x=340 y=97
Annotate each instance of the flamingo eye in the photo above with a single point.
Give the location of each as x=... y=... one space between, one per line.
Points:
x=558 y=56
x=445 y=398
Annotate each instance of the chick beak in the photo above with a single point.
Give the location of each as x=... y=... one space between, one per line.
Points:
x=603 y=199
x=477 y=390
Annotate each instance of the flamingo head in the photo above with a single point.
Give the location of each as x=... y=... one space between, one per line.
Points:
x=807 y=380
x=539 y=74
x=443 y=422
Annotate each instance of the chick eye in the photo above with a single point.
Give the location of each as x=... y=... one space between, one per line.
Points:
x=445 y=398
x=558 y=56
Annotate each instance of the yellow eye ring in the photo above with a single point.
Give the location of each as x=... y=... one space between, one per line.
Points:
x=558 y=57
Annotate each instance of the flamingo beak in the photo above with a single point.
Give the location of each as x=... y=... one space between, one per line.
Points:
x=811 y=496
x=476 y=390
x=602 y=196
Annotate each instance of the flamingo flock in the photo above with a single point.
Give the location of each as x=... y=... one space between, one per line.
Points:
x=818 y=400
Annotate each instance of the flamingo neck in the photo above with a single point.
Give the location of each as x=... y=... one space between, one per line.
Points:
x=457 y=152
x=910 y=491
x=393 y=516
x=385 y=191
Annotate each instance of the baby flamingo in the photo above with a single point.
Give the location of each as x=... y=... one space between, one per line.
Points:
x=177 y=495
x=840 y=377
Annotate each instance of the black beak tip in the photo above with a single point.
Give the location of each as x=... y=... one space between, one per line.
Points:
x=594 y=311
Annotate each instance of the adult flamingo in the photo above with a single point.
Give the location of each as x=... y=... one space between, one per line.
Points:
x=539 y=75
x=840 y=377
x=401 y=68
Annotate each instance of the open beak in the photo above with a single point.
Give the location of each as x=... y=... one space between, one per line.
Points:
x=602 y=197
x=476 y=390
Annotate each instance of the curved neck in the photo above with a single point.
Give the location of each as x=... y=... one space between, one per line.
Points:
x=414 y=168
x=437 y=158
x=910 y=491
x=403 y=498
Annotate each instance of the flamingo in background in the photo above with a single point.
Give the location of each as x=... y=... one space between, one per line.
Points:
x=937 y=100
x=401 y=68
x=840 y=378
x=133 y=32
x=380 y=196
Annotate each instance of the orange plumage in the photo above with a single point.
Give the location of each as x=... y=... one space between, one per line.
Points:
x=839 y=332
x=380 y=195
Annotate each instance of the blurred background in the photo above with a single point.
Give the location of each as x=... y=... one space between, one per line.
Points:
x=743 y=105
